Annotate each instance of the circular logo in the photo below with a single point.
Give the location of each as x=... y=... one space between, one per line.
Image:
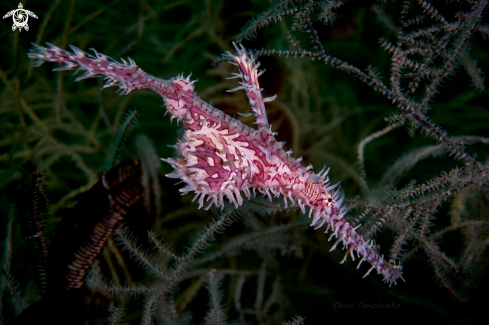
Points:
x=20 y=17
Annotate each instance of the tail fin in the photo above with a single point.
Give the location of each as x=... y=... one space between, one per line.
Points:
x=127 y=75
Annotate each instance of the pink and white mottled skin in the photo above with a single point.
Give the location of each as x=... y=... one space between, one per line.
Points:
x=221 y=157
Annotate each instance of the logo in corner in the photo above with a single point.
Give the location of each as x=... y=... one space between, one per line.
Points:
x=20 y=17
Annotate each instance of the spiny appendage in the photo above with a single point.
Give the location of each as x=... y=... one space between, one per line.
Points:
x=127 y=75
x=185 y=84
x=249 y=83
x=345 y=233
x=353 y=241
x=195 y=178
x=178 y=97
x=325 y=205
x=214 y=161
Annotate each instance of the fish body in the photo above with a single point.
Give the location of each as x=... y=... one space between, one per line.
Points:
x=219 y=158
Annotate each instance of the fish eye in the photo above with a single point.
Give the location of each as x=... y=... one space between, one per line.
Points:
x=330 y=200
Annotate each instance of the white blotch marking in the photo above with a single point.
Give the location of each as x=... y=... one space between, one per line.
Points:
x=191 y=160
x=210 y=161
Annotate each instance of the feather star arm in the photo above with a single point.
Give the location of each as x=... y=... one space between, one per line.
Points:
x=220 y=157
